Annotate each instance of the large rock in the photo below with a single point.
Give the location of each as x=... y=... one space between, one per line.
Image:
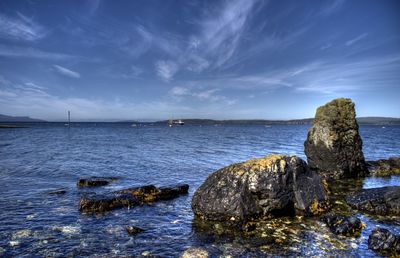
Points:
x=379 y=201
x=333 y=146
x=128 y=198
x=270 y=186
x=195 y=252
x=384 y=167
x=344 y=225
x=382 y=240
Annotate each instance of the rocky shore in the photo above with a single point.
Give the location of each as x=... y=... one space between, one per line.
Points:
x=246 y=197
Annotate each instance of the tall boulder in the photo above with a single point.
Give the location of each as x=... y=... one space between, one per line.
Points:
x=334 y=146
x=270 y=186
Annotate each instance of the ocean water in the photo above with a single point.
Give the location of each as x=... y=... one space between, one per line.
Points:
x=47 y=157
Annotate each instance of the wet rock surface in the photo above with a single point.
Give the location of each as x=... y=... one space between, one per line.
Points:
x=384 y=167
x=57 y=192
x=344 y=225
x=379 y=201
x=102 y=203
x=128 y=198
x=95 y=181
x=132 y=230
x=334 y=146
x=271 y=186
x=195 y=252
x=382 y=240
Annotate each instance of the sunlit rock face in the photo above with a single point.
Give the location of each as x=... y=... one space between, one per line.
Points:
x=271 y=186
x=334 y=146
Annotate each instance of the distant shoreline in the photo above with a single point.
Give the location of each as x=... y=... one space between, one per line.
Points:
x=308 y=121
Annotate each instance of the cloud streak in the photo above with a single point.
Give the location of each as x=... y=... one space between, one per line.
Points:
x=66 y=72
x=20 y=28
x=356 y=39
x=166 y=69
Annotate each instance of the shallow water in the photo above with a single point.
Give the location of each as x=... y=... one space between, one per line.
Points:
x=47 y=157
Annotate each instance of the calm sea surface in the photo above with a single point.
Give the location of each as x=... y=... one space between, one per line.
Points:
x=42 y=158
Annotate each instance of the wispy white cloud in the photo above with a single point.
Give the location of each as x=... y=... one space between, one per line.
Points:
x=178 y=91
x=356 y=39
x=344 y=77
x=332 y=6
x=210 y=95
x=28 y=99
x=29 y=52
x=222 y=32
x=66 y=72
x=20 y=27
x=166 y=69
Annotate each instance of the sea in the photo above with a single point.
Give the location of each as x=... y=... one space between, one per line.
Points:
x=46 y=157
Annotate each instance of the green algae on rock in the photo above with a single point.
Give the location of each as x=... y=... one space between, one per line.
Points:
x=334 y=146
x=384 y=167
x=271 y=186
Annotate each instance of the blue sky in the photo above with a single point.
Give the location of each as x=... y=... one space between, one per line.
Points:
x=197 y=59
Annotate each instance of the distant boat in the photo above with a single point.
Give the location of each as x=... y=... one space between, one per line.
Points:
x=69 y=119
x=134 y=125
x=175 y=122
x=383 y=127
x=267 y=126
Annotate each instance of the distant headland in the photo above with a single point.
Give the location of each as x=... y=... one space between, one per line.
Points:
x=194 y=121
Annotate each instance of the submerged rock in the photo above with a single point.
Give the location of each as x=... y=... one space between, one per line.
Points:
x=270 y=186
x=103 y=203
x=195 y=252
x=343 y=225
x=379 y=201
x=95 y=181
x=382 y=240
x=58 y=192
x=132 y=230
x=333 y=146
x=384 y=167
x=129 y=198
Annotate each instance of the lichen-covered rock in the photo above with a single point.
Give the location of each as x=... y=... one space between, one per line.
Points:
x=270 y=186
x=95 y=181
x=343 y=225
x=129 y=198
x=333 y=146
x=151 y=193
x=195 y=252
x=382 y=240
x=379 y=201
x=384 y=167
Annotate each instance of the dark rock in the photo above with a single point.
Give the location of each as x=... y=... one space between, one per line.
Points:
x=343 y=225
x=95 y=181
x=271 y=186
x=195 y=252
x=103 y=203
x=58 y=192
x=132 y=230
x=333 y=146
x=379 y=201
x=150 y=193
x=382 y=240
x=384 y=167
x=129 y=198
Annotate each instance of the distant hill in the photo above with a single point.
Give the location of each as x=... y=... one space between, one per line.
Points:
x=4 y=118
x=361 y=120
x=379 y=120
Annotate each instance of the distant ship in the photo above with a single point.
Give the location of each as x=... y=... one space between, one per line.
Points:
x=175 y=122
